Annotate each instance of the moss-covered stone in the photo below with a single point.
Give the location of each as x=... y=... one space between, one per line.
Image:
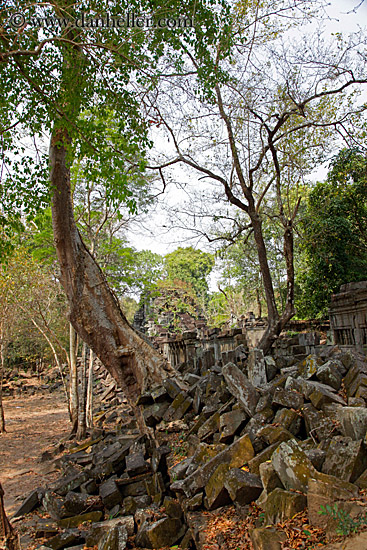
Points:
x=209 y=427
x=282 y=505
x=216 y=493
x=292 y=466
x=346 y=459
x=235 y=455
x=78 y=520
x=308 y=367
x=161 y=533
x=266 y=454
x=243 y=487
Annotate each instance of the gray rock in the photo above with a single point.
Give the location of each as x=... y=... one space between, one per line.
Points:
x=32 y=501
x=269 y=478
x=318 y=425
x=114 y=539
x=346 y=459
x=292 y=466
x=241 y=388
x=287 y=398
x=256 y=368
x=243 y=487
x=329 y=374
x=67 y=538
x=164 y=532
x=353 y=422
x=135 y=464
x=98 y=530
x=235 y=455
x=215 y=490
x=178 y=407
x=110 y=493
x=231 y=423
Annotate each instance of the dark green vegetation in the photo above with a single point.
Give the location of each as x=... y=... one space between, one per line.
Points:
x=333 y=233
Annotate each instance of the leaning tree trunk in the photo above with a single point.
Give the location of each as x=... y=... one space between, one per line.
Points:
x=94 y=310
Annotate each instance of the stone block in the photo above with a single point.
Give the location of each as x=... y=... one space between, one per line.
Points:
x=264 y=456
x=235 y=455
x=269 y=478
x=110 y=493
x=230 y=423
x=135 y=464
x=318 y=425
x=69 y=483
x=54 y=505
x=281 y=505
x=209 y=427
x=256 y=368
x=159 y=459
x=326 y=490
x=154 y=413
x=346 y=459
x=263 y=538
x=243 y=487
x=274 y=434
x=67 y=538
x=292 y=466
x=215 y=490
x=317 y=457
x=288 y=398
x=30 y=503
x=74 y=521
x=241 y=388
x=320 y=397
x=329 y=374
x=178 y=407
x=161 y=533
x=308 y=367
x=98 y=530
x=353 y=422
x=289 y=419
x=114 y=539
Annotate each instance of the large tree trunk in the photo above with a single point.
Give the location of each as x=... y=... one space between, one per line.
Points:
x=94 y=310
x=276 y=322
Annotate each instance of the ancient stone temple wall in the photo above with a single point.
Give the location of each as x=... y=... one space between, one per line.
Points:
x=348 y=315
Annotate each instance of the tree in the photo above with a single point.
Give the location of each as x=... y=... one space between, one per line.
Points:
x=49 y=81
x=258 y=132
x=334 y=233
x=192 y=266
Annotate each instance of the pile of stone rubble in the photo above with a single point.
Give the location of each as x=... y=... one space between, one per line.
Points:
x=287 y=438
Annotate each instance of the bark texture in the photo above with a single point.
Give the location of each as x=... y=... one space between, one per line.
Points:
x=94 y=310
x=9 y=539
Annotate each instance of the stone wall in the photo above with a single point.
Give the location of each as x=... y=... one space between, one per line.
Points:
x=348 y=315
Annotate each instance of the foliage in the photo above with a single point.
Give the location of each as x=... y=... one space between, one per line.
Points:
x=226 y=306
x=192 y=266
x=346 y=524
x=32 y=293
x=334 y=233
x=174 y=298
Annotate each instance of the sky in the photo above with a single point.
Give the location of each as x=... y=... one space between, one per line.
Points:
x=344 y=16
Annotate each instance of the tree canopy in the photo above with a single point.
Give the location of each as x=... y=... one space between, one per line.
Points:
x=334 y=233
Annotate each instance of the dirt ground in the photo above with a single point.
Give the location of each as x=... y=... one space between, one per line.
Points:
x=33 y=424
